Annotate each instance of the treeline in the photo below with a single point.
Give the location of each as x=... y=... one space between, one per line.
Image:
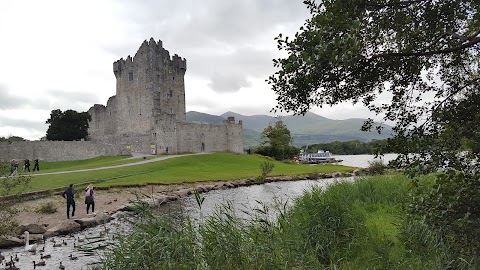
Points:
x=355 y=147
x=11 y=139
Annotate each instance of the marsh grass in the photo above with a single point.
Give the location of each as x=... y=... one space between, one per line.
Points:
x=359 y=225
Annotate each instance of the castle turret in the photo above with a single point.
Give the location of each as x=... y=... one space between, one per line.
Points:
x=150 y=88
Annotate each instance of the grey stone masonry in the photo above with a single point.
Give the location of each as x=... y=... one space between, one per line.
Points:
x=58 y=150
x=148 y=115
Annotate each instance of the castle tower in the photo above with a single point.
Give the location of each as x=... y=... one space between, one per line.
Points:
x=147 y=114
x=150 y=89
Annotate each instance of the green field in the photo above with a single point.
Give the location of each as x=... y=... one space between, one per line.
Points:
x=183 y=169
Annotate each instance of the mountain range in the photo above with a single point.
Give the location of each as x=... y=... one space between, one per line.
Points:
x=308 y=129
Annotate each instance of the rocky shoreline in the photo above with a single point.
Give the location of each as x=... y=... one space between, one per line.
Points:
x=40 y=232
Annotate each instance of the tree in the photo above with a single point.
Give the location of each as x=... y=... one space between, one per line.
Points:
x=12 y=139
x=277 y=142
x=67 y=126
x=422 y=53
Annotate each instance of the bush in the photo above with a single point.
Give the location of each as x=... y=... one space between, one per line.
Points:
x=450 y=207
x=267 y=167
x=46 y=208
x=376 y=167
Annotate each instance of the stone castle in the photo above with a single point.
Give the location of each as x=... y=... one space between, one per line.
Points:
x=147 y=114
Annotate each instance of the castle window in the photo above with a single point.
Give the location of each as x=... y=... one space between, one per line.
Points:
x=130 y=76
x=173 y=78
x=154 y=134
x=171 y=93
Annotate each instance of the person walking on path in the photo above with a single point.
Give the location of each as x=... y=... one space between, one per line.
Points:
x=35 y=165
x=89 y=198
x=26 y=166
x=69 y=194
x=14 y=167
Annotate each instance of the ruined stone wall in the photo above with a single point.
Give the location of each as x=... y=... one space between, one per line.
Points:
x=58 y=150
x=193 y=137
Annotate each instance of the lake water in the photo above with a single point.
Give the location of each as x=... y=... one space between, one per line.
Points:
x=362 y=161
x=243 y=198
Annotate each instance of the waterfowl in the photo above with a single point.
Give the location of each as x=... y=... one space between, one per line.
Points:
x=64 y=242
x=72 y=257
x=80 y=239
x=1 y=256
x=16 y=258
x=48 y=256
x=61 y=266
x=11 y=266
x=31 y=248
x=35 y=264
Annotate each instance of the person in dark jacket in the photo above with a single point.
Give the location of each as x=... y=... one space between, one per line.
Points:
x=35 y=165
x=69 y=194
x=89 y=200
x=27 y=165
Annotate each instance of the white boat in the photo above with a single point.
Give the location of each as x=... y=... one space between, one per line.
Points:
x=319 y=157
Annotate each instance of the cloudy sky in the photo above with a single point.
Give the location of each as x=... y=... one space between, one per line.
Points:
x=59 y=54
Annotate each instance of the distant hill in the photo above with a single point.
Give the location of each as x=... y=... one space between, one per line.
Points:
x=308 y=129
x=198 y=117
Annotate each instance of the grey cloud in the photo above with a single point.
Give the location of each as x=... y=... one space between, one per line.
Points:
x=8 y=100
x=229 y=73
x=73 y=97
x=197 y=30
x=29 y=125
x=226 y=83
x=51 y=99
x=58 y=99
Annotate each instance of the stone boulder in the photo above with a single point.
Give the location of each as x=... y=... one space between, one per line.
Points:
x=33 y=237
x=31 y=228
x=9 y=242
x=103 y=218
x=161 y=199
x=64 y=228
x=128 y=207
x=241 y=183
x=336 y=174
x=207 y=188
x=87 y=222
x=183 y=192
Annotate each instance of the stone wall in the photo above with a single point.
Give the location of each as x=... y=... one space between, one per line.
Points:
x=58 y=150
x=194 y=137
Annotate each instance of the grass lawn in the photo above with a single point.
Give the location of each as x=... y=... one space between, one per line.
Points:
x=47 y=167
x=195 y=168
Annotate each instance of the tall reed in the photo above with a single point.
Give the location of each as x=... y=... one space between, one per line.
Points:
x=359 y=225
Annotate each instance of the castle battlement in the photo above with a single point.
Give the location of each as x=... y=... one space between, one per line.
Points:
x=151 y=54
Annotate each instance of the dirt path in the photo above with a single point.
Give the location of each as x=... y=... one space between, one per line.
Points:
x=105 y=200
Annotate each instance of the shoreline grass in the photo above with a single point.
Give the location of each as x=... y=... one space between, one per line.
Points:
x=349 y=225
